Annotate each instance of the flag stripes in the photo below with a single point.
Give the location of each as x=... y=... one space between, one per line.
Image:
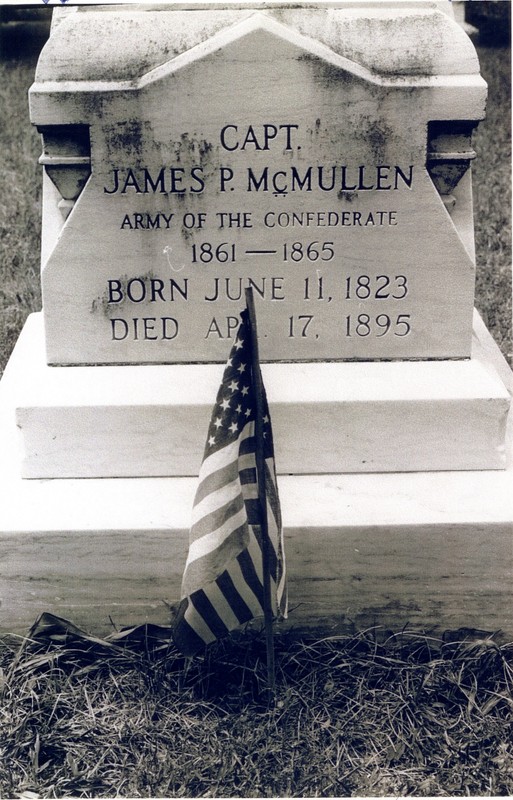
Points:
x=242 y=611
x=223 y=582
x=241 y=588
x=206 y=569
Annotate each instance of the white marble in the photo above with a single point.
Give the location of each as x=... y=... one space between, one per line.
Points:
x=428 y=550
x=193 y=190
x=136 y=421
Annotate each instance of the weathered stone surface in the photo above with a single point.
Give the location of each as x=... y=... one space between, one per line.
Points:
x=151 y=420
x=321 y=189
x=423 y=550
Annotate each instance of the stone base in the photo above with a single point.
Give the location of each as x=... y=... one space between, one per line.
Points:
x=149 y=421
x=430 y=551
x=425 y=550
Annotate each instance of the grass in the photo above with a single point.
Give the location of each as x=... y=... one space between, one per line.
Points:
x=492 y=199
x=20 y=205
x=20 y=188
x=363 y=715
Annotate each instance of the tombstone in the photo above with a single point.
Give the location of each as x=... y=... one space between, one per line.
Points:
x=313 y=153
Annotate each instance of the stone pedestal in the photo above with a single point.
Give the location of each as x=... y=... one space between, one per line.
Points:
x=424 y=549
x=321 y=153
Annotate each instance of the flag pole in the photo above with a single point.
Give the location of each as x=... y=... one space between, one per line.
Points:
x=260 y=468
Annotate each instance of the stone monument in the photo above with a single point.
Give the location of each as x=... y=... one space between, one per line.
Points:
x=310 y=151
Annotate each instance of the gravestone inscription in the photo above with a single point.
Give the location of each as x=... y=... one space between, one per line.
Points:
x=257 y=157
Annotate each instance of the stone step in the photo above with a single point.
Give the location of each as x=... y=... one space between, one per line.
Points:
x=428 y=550
x=151 y=420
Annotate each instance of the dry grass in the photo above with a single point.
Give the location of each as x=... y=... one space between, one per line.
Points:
x=354 y=715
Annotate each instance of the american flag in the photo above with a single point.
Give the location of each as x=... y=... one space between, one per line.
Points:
x=223 y=580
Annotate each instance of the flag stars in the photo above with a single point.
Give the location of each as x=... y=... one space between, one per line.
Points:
x=234 y=408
